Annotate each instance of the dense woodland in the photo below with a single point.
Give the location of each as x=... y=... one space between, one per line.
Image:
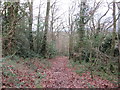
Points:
x=88 y=39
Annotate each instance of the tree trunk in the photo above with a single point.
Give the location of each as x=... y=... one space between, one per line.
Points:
x=38 y=30
x=119 y=26
x=44 y=43
x=71 y=45
x=9 y=28
x=1 y=42
x=119 y=44
x=114 y=29
x=30 y=24
x=51 y=29
x=81 y=31
x=70 y=37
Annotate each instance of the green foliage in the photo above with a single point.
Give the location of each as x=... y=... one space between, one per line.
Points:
x=38 y=86
x=74 y=63
x=51 y=50
x=100 y=70
x=90 y=86
x=80 y=71
x=96 y=58
x=12 y=70
x=40 y=75
x=8 y=72
x=106 y=46
x=17 y=36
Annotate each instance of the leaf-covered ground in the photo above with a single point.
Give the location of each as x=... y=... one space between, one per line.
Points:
x=52 y=73
x=60 y=76
x=22 y=73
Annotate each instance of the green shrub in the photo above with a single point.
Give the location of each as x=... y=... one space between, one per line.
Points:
x=51 y=50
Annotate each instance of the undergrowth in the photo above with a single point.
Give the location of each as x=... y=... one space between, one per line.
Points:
x=23 y=73
x=83 y=67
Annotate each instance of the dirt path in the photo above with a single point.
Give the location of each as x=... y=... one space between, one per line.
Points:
x=60 y=76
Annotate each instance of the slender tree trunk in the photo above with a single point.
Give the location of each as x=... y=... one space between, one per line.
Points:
x=119 y=25
x=114 y=29
x=38 y=30
x=1 y=44
x=70 y=37
x=44 y=44
x=118 y=4
x=30 y=24
x=71 y=44
x=51 y=28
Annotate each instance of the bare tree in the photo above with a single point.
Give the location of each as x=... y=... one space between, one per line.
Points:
x=99 y=20
x=71 y=28
x=56 y=21
x=53 y=11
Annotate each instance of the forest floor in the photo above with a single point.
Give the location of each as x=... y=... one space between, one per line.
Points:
x=51 y=73
x=62 y=76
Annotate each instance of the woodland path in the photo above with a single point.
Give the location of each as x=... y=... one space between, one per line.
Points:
x=61 y=76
